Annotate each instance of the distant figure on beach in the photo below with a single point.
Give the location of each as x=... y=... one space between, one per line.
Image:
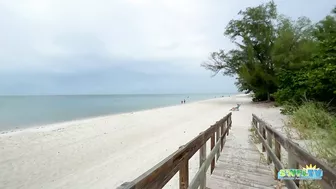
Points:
x=181 y=101
x=184 y=101
x=235 y=108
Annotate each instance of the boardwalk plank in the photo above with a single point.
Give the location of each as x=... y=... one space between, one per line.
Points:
x=257 y=170
x=241 y=165
x=218 y=183
x=244 y=162
x=246 y=178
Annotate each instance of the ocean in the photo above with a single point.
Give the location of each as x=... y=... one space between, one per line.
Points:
x=17 y=112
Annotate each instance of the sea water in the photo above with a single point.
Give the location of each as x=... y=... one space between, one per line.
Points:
x=17 y=112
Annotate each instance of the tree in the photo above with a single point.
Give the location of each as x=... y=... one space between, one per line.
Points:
x=292 y=52
x=251 y=62
x=322 y=75
x=288 y=59
x=305 y=58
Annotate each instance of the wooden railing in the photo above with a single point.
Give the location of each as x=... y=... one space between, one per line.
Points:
x=158 y=176
x=297 y=156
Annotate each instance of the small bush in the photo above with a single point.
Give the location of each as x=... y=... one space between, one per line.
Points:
x=257 y=97
x=313 y=123
x=253 y=136
x=288 y=108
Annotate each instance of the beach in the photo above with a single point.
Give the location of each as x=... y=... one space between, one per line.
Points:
x=106 y=151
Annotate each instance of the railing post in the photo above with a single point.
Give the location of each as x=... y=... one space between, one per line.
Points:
x=256 y=127
x=184 y=174
x=222 y=133
x=293 y=164
x=228 y=125
x=264 y=136
x=261 y=126
x=269 y=142
x=212 y=144
x=202 y=159
x=123 y=185
x=277 y=149
x=218 y=138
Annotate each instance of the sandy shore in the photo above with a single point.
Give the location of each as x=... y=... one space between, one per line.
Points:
x=104 y=152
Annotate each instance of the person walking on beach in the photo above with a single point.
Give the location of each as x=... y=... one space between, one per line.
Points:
x=184 y=101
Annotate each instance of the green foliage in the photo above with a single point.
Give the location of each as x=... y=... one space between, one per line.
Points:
x=314 y=123
x=251 y=61
x=322 y=75
x=279 y=57
x=312 y=69
x=253 y=135
x=293 y=61
x=288 y=108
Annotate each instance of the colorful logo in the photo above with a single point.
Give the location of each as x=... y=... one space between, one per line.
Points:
x=308 y=173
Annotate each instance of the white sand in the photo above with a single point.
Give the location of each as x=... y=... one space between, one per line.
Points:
x=107 y=151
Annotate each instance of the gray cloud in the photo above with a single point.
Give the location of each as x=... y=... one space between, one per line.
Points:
x=50 y=46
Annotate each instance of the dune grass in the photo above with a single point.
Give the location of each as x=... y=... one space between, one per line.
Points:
x=313 y=123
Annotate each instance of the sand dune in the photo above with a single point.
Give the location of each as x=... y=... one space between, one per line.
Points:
x=104 y=152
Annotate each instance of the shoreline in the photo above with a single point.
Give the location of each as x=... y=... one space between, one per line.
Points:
x=110 y=150
x=67 y=123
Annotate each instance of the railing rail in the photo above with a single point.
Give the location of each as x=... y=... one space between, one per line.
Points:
x=158 y=176
x=296 y=155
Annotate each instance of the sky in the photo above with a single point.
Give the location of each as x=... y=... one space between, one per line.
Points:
x=121 y=46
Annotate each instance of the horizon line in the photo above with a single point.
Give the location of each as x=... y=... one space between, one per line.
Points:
x=111 y=94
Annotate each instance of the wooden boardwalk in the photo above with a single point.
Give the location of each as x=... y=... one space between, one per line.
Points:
x=237 y=164
x=241 y=165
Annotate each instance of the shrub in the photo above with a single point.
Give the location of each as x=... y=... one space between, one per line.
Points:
x=314 y=123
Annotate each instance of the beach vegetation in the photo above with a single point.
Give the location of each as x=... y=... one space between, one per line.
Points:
x=290 y=61
x=278 y=58
x=314 y=124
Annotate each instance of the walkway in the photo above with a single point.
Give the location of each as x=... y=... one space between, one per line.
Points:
x=240 y=164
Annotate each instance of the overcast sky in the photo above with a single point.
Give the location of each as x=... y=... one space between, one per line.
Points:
x=121 y=46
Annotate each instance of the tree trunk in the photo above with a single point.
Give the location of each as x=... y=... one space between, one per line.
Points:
x=268 y=97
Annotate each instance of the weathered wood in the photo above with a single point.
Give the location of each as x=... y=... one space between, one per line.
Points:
x=239 y=166
x=277 y=161
x=304 y=158
x=229 y=125
x=124 y=185
x=223 y=127
x=269 y=143
x=293 y=164
x=200 y=175
x=212 y=145
x=184 y=174
x=255 y=126
x=278 y=137
x=161 y=173
x=264 y=136
x=301 y=156
x=218 y=182
x=202 y=159
x=260 y=127
x=218 y=139
x=277 y=151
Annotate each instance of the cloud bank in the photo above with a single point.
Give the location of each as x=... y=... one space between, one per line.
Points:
x=85 y=46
